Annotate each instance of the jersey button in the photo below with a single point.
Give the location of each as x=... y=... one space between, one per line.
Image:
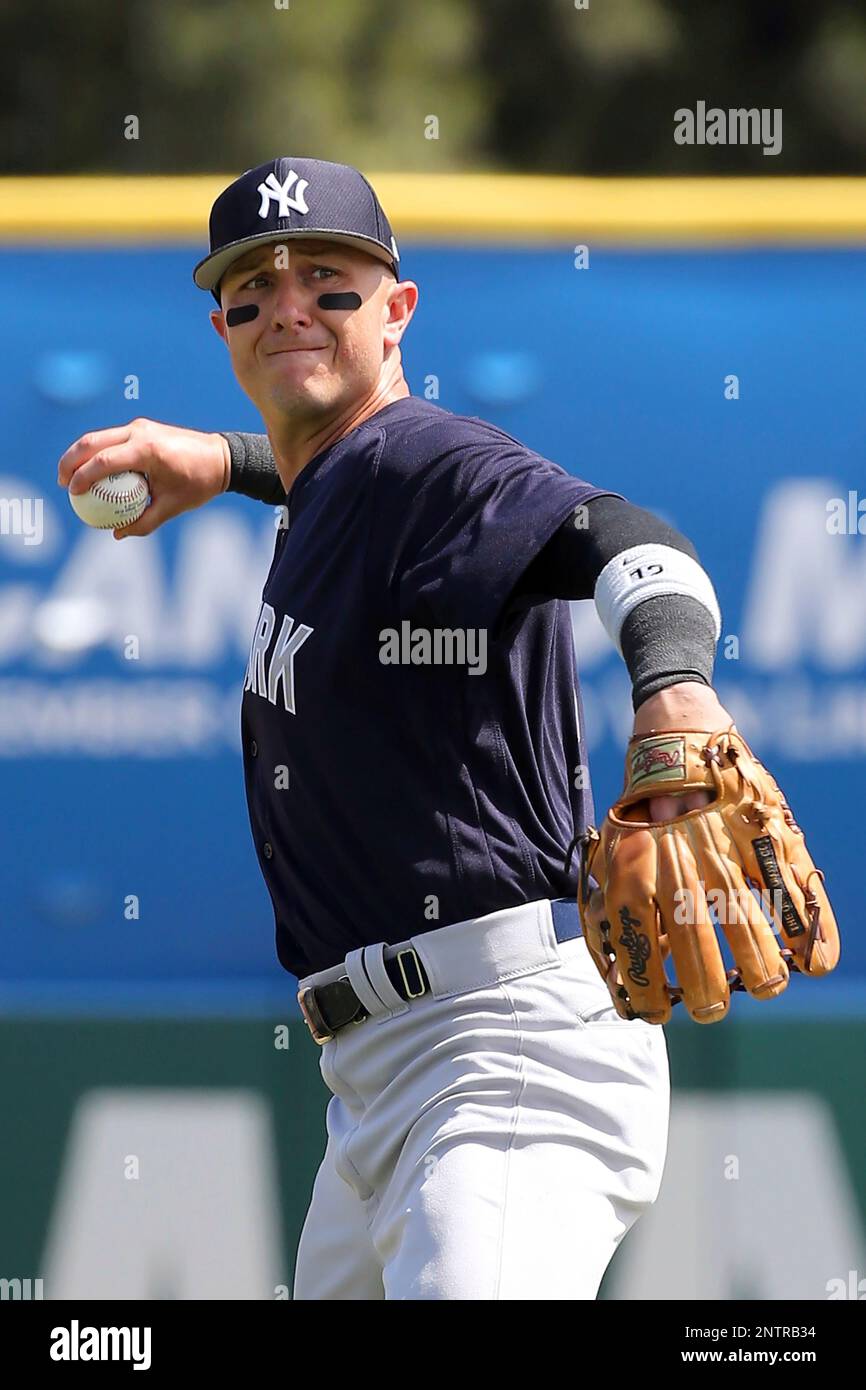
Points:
x=268 y=850
x=254 y=748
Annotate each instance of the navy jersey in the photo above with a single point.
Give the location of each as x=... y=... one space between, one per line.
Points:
x=411 y=730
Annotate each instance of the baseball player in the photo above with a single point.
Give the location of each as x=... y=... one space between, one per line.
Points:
x=417 y=782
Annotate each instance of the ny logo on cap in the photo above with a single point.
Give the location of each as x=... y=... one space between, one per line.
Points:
x=272 y=189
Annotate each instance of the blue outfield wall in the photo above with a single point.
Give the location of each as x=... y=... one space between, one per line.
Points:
x=122 y=778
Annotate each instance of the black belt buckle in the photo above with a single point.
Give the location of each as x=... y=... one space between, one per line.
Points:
x=313 y=1017
x=313 y=1011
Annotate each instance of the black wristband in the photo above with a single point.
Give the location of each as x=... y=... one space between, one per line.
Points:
x=253 y=471
x=666 y=640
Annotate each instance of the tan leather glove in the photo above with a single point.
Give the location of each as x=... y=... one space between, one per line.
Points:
x=657 y=882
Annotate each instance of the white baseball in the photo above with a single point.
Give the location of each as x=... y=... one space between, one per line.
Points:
x=117 y=500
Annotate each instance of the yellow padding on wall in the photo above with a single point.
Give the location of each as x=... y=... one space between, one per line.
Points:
x=464 y=207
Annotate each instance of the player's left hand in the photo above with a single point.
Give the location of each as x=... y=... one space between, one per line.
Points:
x=665 y=858
x=672 y=708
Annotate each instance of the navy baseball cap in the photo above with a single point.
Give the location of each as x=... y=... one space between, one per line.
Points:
x=295 y=197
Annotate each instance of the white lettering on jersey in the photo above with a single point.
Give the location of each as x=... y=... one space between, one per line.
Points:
x=283 y=662
x=263 y=677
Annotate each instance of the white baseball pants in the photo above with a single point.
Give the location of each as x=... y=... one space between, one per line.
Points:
x=495 y=1139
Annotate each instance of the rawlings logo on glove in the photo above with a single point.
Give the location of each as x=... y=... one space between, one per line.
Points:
x=741 y=859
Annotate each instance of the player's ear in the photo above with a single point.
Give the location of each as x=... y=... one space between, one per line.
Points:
x=402 y=299
x=217 y=318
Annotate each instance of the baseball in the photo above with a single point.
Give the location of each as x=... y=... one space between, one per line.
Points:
x=117 y=500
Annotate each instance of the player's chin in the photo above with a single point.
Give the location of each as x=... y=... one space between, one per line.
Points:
x=297 y=366
x=311 y=390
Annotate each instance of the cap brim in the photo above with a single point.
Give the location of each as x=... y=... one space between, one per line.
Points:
x=211 y=270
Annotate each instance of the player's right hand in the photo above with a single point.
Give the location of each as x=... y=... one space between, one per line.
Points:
x=184 y=468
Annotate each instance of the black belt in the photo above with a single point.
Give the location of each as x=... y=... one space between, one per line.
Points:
x=326 y=1008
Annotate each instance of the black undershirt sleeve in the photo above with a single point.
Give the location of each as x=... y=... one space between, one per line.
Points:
x=665 y=640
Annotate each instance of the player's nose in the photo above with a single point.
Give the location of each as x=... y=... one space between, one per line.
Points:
x=293 y=300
